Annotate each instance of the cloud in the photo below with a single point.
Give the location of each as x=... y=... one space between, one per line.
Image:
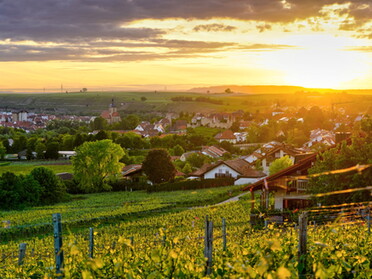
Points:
x=167 y=49
x=215 y=27
x=51 y=20
x=362 y=48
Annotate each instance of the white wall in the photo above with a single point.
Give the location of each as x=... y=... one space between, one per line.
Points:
x=221 y=169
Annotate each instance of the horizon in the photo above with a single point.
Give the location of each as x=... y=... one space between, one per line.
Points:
x=156 y=44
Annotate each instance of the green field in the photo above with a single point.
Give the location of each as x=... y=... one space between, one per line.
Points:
x=114 y=204
x=93 y=103
x=171 y=246
x=27 y=167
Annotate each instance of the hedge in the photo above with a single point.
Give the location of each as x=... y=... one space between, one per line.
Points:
x=191 y=185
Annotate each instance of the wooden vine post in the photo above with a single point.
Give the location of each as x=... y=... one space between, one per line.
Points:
x=91 y=243
x=22 y=253
x=57 y=228
x=302 y=244
x=208 y=245
x=224 y=241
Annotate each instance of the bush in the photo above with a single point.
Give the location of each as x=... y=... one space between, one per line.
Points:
x=53 y=189
x=127 y=185
x=192 y=185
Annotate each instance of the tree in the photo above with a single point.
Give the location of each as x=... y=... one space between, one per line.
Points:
x=52 y=188
x=143 y=99
x=99 y=123
x=196 y=160
x=280 y=164
x=96 y=164
x=345 y=156
x=2 y=151
x=187 y=168
x=51 y=151
x=158 y=166
x=178 y=150
x=40 y=149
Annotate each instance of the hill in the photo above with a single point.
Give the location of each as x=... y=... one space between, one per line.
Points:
x=273 y=89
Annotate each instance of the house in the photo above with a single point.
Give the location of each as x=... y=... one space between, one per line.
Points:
x=320 y=136
x=288 y=187
x=179 y=125
x=288 y=191
x=271 y=151
x=213 y=151
x=146 y=129
x=111 y=115
x=66 y=154
x=226 y=135
x=241 y=137
x=132 y=172
x=238 y=169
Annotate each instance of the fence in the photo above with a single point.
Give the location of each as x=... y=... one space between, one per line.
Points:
x=349 y=214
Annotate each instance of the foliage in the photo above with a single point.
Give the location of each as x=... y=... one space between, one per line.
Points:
x=192 y=185
x=99 y=123
x=344 y=156
x=178 y=150
x=52 y=188
x=158 y=166
x=2 y=151
x=19 y=191
x=40 y=149
x=280 y=164
x=197 y=160
x=187 y=168
x=96 y=164
x=51 y=151
x=170 y=246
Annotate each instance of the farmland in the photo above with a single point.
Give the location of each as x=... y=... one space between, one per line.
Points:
x=19 y=167
x=170 y=246
x=93 y=103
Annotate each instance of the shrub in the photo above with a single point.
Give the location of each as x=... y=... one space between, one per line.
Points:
x=192 y=185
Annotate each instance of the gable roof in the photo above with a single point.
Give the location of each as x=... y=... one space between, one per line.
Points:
x=131 y=169
x=227 y=134
x=239 y=165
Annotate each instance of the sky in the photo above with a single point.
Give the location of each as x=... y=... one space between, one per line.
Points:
x=179 y=44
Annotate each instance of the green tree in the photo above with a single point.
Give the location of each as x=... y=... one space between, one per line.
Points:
x=99 y=123
x=2 y=151
x=344 y=156
x=143 y=99
x=52 y=188
x=280 y=164
x=40 y=149
x=96 y=164
x=158 y=166
x=51 y=151
x=196 y=160
x=178 y=150
x=187 y=168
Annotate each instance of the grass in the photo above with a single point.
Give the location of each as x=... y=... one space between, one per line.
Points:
x=27 y=167
x=93 y=103
x=109 y=204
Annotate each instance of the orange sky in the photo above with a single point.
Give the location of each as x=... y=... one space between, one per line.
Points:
x=149 y=46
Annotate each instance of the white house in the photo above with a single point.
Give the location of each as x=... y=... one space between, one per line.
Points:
x=238 y=169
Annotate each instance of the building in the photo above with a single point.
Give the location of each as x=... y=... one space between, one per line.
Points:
x=238 y=169
x=226 y=135
x=111 y=115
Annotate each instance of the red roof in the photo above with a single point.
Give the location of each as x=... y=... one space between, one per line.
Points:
x=227 y=134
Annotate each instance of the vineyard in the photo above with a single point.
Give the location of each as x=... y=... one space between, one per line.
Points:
x=172 y=246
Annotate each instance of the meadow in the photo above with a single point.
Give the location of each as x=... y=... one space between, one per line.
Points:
x=19 y=167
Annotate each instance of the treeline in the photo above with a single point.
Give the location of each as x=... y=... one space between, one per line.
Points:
x=197 y=99
x=40 y=187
